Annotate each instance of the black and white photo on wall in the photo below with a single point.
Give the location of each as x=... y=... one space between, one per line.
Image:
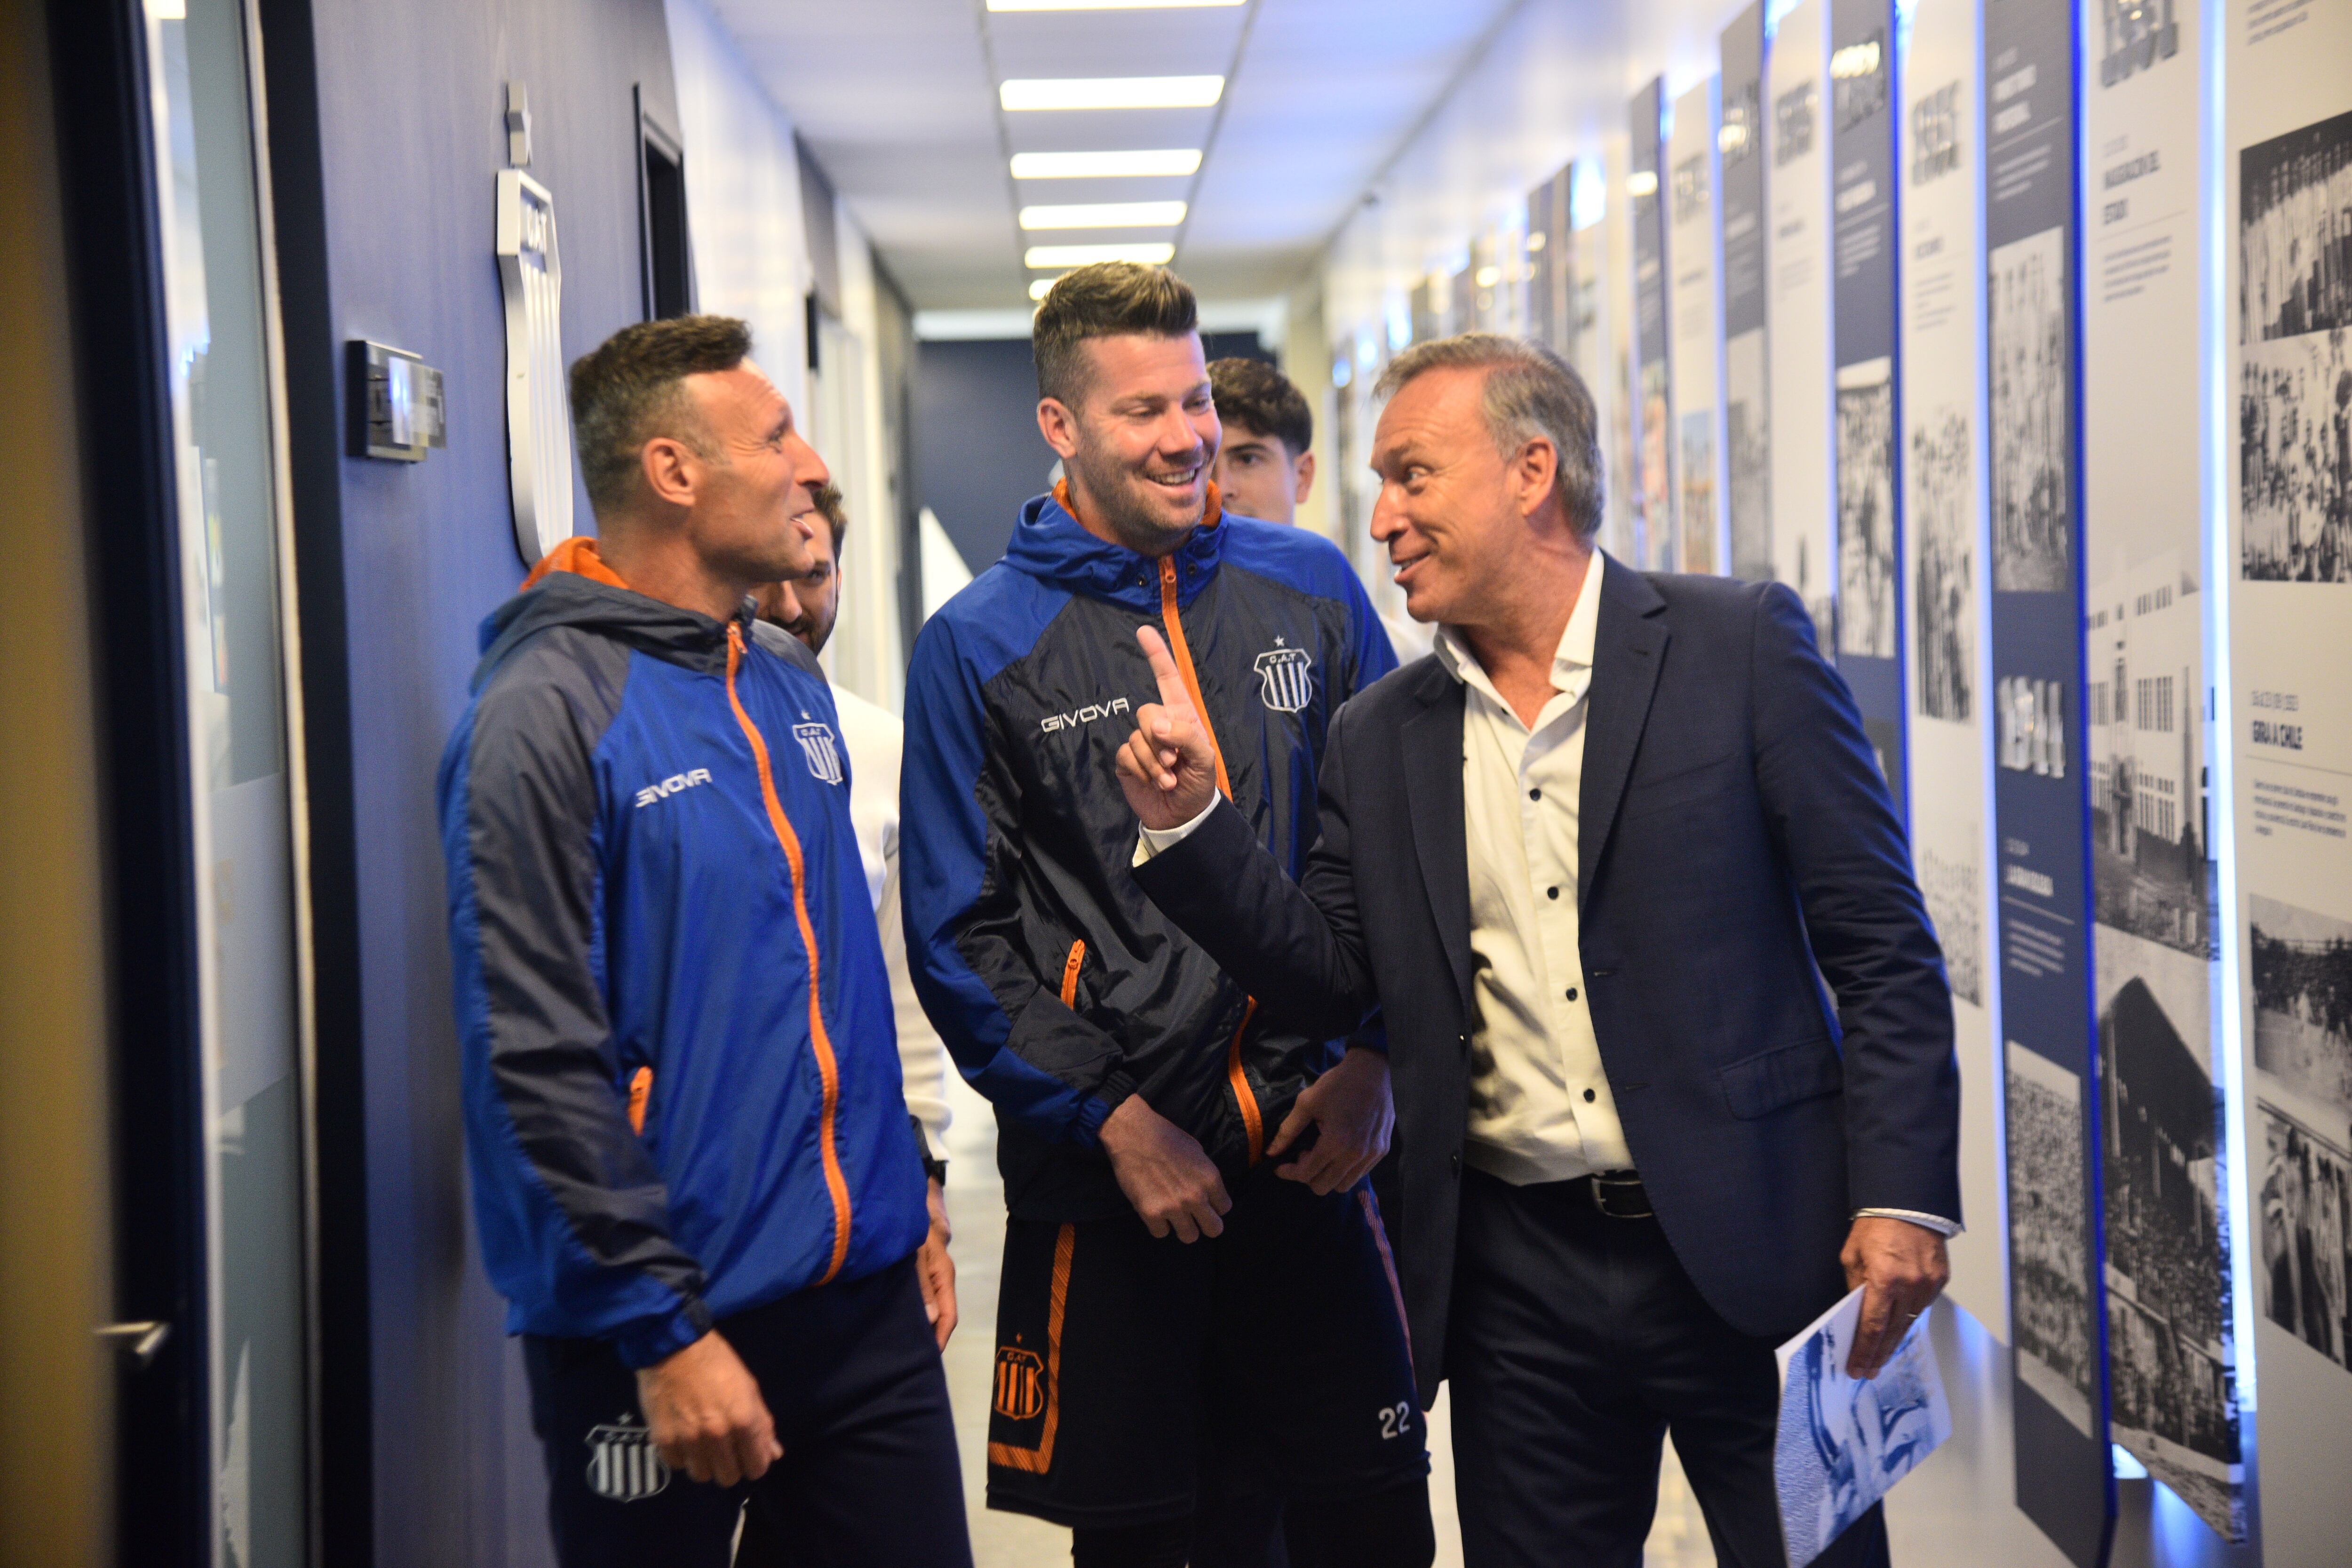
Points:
x=2152 y=874
x=1865 y=508
x=2302 y=977
x=2170 y=1359
x=1953 y=888
x=2025 y=299
x=2307 y=1250
x=2294 y=239
x=1747 y=433
x=2050 y=1288
x=1944 y=597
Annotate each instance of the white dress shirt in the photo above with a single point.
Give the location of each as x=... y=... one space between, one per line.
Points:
x=1541 y=1110
x=875 y=738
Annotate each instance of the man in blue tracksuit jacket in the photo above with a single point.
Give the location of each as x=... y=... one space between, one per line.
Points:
x=694 y=1174
x=1183 y=1336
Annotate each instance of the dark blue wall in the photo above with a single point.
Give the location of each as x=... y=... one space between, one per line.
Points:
x=977 y=452
x=386 y=136
x=978 y=455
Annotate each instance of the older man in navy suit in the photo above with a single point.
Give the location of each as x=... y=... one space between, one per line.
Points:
x=1595 y=860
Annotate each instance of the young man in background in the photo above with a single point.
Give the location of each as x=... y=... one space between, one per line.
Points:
x=1266 y=469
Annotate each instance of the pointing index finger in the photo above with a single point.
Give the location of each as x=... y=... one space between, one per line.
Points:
x=1172 y=695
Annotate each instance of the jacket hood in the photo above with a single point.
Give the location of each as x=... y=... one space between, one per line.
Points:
x=1052 y=545
x=565 y=598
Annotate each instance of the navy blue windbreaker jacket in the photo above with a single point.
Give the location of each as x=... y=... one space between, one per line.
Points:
x=1059 y=988
x=658 y=914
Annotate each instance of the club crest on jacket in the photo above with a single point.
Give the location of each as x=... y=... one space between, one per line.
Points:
x=1285 y=678
x=818 y=746
x=622 y=1463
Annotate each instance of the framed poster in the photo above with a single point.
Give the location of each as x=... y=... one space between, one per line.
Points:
x=1747 y=400
x=1866 y=457
x=2287 y=360
x=2057 y=1326
x=1944 y=559
x=1654 y=543
x=1796 y=352
x=1694 y=337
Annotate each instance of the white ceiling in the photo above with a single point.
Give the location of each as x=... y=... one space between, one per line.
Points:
x=897 y=100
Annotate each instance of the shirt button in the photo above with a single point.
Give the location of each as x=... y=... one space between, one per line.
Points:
x=1588 y=1097
x=1551 y=893
x=1571 y=993
x=1534 y=794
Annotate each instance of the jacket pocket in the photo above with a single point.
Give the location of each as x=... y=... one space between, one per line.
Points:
x=1758 y=1085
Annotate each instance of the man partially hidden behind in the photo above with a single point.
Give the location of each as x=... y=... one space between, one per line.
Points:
x=693 y=1170
x=809 y=607
x=1594 y=861
x=1185 y=1277
x=1265 y=467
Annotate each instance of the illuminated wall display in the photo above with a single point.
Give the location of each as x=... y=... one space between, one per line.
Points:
x=1746 y=402
x=1943 y=564
x=1796 y=352
x=1695 y=336
x=2172 y=1355
x=1655 y=544
x=2065 y=1483
x=1867 y=462
x=2286 y=358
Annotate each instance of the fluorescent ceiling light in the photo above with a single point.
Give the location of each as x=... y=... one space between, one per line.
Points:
x=1105 y=165
x=1041 y=287
x=1106 y=215
x=1111 y=92
x=1156 y=254
x=1100 y=5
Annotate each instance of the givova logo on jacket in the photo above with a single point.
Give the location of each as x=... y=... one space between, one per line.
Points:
x=1285 y=678
x=622 y=1463
x=818 y=746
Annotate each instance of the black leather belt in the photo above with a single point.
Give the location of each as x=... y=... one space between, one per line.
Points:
x=1618 y=1194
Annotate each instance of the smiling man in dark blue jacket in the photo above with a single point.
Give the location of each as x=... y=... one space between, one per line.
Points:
x=1169 y=1301
x=694 y=1174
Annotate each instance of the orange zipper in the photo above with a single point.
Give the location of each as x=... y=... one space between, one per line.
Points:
x=1182 y=654
x=1253 y=1119
x=1070 y=972
x=641 y=1090
x=820 y=1043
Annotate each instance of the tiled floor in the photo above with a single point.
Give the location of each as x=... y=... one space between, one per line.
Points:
x=976 y=1210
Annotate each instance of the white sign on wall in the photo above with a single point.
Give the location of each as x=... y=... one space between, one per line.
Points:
x=539 y=417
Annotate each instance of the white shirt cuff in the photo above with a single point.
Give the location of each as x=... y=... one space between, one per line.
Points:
x=1151 y=841
x=1935 y=1223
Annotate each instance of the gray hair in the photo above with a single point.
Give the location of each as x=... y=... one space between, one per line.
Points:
x=1530 y=394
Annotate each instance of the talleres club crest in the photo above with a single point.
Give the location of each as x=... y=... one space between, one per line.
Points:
x=622 y=1463
x=1285 y=678
x=818 y=746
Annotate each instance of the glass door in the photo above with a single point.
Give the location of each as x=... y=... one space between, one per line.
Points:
x=234 y=572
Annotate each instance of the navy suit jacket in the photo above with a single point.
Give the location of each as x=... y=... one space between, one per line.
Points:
x=1737 y=850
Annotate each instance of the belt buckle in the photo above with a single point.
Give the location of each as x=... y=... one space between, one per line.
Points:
x=1602 y=1181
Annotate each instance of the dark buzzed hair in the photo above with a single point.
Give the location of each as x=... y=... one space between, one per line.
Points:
x=1259 y=398
x=1107 y=300
x=631 y=388
x=836 y=515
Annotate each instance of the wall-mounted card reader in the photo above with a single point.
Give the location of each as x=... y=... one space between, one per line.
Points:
x=396 y=404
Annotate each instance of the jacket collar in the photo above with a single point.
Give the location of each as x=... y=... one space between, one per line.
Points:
x=1052 y=545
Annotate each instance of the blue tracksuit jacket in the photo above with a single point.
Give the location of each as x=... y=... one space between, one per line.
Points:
x=655 y=894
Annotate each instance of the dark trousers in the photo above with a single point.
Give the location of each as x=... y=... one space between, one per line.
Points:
x=1576 y=1343
x=852 y=1377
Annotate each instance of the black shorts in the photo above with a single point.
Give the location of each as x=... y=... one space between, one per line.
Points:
x=851 y=1375
x=1125 y=1363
